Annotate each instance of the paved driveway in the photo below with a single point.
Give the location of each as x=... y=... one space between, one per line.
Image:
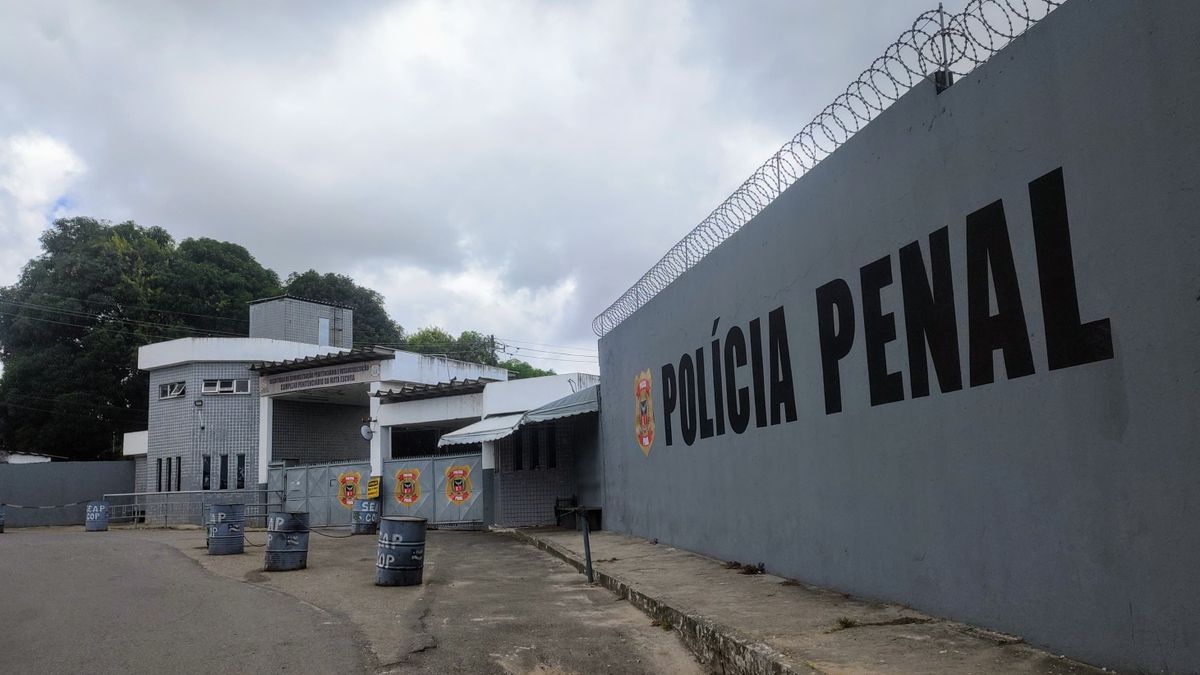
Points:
x=122 y=602
x=151 y=600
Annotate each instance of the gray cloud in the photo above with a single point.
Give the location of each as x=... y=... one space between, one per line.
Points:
x=505 y=166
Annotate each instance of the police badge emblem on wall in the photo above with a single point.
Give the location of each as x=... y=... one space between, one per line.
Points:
x=408 y=486
x=644 y=412
x=348 y=487
x=458 y=484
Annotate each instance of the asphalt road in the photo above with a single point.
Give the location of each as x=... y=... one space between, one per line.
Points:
x=119 y=602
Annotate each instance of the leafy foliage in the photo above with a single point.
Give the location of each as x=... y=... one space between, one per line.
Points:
x=469 y=346
x=71 y=326
x=432 y=340
x=372 y=325
x=523 y=369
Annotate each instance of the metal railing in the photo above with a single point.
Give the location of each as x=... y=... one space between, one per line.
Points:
x=164 y=509
x=938 y=44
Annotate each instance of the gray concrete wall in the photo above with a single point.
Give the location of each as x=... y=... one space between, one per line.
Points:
x=307 y=433
x=1055 y=497
x=589 y=469
x=226 y=424
x=57 y=483
x=297 y=321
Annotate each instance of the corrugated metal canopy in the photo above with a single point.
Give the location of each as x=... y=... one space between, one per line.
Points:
x=417 y=392
x=583 y=401
x=356 y=355
x=490 y=429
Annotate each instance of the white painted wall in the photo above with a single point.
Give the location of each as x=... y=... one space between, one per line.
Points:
x=266 y=425
x=136 y=443
x=184 y=350
x=431 y=410
x=419 y=368
x=522 y=395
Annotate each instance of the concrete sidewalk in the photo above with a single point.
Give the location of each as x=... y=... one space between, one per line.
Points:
x=759 y=623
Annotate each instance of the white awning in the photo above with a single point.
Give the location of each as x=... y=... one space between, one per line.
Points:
x=490 y=429
x=585 y=400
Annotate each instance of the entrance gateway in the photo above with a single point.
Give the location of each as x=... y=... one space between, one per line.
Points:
x=446 y=490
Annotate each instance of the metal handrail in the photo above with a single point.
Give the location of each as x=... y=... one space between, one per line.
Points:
x=182 y=507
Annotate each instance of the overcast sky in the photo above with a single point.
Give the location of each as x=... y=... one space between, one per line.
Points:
x=503 y=166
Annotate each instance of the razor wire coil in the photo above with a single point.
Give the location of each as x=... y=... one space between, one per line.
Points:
x=936 y=42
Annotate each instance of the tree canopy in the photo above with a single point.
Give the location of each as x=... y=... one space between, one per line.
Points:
x=523 y=369
x=468 y=346
x=372 y=325
x=71 y=325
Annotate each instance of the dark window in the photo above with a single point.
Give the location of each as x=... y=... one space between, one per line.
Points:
x=158 y=487
x=178 y=474
x=168 y=474
x=551 y=448
x=224 y=475
x=535 y=448
x=518 y=451
x=414 y=442
x=206 y=475
x=241 y=472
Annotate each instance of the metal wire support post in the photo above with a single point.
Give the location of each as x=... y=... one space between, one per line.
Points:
x=587 y=545
x=943 y=78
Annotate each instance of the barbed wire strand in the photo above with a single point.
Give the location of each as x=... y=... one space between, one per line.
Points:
x=936 y=42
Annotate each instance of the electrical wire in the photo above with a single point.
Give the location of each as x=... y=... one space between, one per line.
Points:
x=114 y=303
x=316 y=530
x=104 y=317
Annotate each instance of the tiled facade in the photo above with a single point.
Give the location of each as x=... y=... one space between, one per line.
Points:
x=140 y=475
x=526 y=496
x=306 y=432
x=298 y=321
x=182 y=431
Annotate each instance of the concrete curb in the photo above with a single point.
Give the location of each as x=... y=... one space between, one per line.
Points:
x=720 y=648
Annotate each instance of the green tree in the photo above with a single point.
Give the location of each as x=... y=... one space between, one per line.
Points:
x=213 y=282
x=431 y=340
x=372 y=325
x=471 y=346
x=71 y=326
x=69 y=332
x=475 y=347
x=523 y=369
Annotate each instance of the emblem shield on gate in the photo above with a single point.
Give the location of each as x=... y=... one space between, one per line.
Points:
x=644 y=413
x=408 y=486
x=348 y=487
x=458 y=483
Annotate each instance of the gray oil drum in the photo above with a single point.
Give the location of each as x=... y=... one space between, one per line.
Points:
x=287 y=542
x=365 y=516
x=96 y=516
x=1 y=519
x=401 y=551
x=226 y=528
